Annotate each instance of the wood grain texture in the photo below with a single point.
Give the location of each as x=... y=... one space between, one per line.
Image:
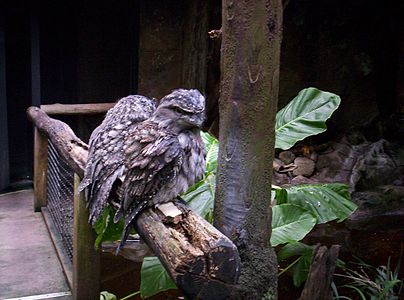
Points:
x=73 y=150
x=202 y=261
x=76 y=109
x=40 y=169
x=250 y=57
x=318 y=283
x=86 y=259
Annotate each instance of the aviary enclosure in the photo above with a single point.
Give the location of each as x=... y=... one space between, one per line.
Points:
x=250 y=59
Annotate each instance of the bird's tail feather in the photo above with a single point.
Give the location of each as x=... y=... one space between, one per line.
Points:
x=129 y=219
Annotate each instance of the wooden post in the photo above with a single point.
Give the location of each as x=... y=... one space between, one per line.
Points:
x=318 y=283
x=86 y=260
x=40 y=169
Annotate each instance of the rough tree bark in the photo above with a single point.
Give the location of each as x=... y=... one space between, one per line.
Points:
x=318 y=283
x=251 y=37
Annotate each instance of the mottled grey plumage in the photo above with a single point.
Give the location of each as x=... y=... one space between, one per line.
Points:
x=157 y=159
x=164 y=154
x=106 y=157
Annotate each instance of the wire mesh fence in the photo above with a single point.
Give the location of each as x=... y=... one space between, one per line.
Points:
x=60 y=192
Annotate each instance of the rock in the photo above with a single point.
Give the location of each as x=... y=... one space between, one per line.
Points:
x=314 y=156
x=287 y=157
x=304 y=166
x=301 y=180
x=374 y=168
x=280 y=167
x=279 y=178
x=277 y=164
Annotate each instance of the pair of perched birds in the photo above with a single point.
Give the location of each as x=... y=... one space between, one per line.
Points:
x=146 y=155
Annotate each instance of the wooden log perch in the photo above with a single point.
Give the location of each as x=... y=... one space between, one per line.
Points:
x=73 y=150
x=202 y=261
x=318 y=283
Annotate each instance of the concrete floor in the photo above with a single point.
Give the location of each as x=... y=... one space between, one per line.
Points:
x=28 y=261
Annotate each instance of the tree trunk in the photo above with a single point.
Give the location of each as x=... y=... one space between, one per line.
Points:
x=251 y=37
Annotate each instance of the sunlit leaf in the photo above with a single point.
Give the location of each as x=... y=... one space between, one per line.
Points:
x=212 y=150
x=290 y=223
x=154 y=278
x=326 y=202
x=304 y=116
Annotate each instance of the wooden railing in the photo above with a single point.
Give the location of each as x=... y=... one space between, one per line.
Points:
x=84 y=275
x=201 y=260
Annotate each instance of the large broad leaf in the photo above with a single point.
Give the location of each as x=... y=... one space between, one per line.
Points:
x=290 y=223
x=304 y=116
x=301 y=270
x=154 y=278
x=201 y=198
x=294 y=249
x=300 y=266
x=326 y=202
x=212 y=150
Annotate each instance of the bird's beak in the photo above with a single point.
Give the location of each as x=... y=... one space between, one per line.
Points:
x=198 y=120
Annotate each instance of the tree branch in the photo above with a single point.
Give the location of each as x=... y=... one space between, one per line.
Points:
x=73 y=150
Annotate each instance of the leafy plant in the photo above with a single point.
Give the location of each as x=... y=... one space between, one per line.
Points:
x=304 y=116
x=324 y=202
x=298 y=208
x=381 y=283
x=154 y=278
x=301 y=264
x=290 y=223
x=105 y=227
x=327 y=202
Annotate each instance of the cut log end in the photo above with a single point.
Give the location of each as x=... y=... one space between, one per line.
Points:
x=201 y=260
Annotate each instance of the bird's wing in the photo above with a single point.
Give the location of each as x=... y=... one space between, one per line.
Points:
x=153 y=159
x=106 y=158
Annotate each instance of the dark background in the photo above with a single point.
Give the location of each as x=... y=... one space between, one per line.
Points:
x=87 y=52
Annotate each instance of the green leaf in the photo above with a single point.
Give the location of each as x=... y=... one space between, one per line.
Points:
x=294 y=249
x=290 y=223
x=281 y=194
x=105 y=227
x=107 y=296
x=201 y=199
x=304 y=116
x=326 y=202
x=301 y=270
x=154 y=278
x=388 y=288
x=201 y=196
x=212 y=150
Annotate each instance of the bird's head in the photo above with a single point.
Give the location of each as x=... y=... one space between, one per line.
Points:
x=184 y=108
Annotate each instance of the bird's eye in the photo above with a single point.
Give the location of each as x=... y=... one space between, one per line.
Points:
x=178 y=110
